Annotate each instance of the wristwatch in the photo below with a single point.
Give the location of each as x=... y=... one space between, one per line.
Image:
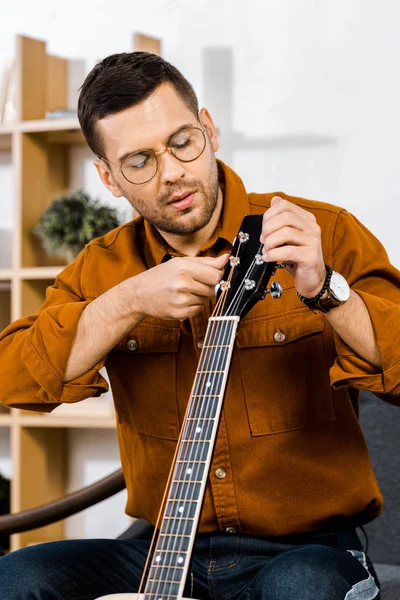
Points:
x=338 y=293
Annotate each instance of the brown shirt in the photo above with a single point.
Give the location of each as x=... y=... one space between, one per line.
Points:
x=289 y=439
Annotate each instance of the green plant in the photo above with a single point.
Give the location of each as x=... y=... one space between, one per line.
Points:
x=72 y=221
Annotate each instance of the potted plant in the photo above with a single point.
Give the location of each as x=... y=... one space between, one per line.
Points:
x=72 y=221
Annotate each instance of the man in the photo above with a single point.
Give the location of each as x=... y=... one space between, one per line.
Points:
x=290 y=479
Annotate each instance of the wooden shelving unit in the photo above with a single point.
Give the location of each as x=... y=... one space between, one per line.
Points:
x=39 y=149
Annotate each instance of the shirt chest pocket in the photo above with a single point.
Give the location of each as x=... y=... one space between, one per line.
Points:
x=142 y=370
x=285 y=376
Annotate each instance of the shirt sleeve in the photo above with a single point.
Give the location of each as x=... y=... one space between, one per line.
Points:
x=363 y=261
x=35 y=350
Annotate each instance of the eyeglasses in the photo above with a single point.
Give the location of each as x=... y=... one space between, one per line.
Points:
x=186 y=145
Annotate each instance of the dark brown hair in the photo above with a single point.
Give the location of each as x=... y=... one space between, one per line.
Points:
x=124 y=80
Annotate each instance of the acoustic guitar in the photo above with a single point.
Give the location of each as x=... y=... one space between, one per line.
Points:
x=244 y=283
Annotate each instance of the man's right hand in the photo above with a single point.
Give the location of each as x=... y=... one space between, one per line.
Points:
x=177 y=289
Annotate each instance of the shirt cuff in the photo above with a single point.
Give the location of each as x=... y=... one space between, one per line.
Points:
x=350 y=370
x=46 y=351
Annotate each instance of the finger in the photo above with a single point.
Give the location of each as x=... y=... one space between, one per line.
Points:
x=202 y=290
x=217 y=262
x=286 y=219
x=206 y=274
x=279 y=205
x=288 y=235
x=299 y=255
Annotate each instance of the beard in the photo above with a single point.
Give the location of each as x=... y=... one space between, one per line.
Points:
x=189 y=220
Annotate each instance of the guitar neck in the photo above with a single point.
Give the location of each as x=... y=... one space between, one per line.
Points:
x=171 y=558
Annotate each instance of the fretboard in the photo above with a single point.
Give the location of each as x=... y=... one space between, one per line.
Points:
x=170 y=561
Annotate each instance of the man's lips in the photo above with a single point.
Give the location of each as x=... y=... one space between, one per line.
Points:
x=182 y=201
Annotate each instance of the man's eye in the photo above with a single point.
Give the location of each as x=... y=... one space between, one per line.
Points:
x=181 y=142
x=137 y=161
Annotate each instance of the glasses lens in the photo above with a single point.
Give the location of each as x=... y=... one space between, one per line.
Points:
x=188 y=144
x=140 y=167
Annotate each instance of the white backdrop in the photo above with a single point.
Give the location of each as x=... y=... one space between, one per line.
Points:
x=306 y=95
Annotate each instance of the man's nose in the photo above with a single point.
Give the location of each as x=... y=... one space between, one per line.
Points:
x=171 y=169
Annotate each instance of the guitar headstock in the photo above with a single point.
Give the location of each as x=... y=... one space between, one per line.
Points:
x=246 y=275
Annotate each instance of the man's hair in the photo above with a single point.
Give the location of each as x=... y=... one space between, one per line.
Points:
x=124 y=80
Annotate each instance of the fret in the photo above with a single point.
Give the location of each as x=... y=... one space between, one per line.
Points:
x=191 y=461
x=189 y=469
x=181 y=527
x=195 y=440
x=174 y=542
x=207 y=371
x=194 y=448
x=220 y=334
x=182 y=535
x=180 y=518
x=217 y=359
x=166 y=567
x=200 y=419
x=199 y=428
x=162 y=580
x=172 y=590
x=162 y=596
x=185 y=481
x=181 y=508
x=186 y=491
x=159 y=551
x=206 y=388
x=180 y=500
x=216 y=346
x=166 y=571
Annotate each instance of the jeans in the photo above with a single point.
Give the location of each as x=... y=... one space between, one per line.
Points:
x=223 y=567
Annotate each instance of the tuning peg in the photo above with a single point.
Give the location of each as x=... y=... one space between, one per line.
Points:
x=275 y=290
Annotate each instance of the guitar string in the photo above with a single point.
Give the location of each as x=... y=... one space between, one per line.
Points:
x=213 y=332
x=225 y=333
x=204 y=409
x=185 y=432
x=162 y=507
x=158 y=566
x=209 y=342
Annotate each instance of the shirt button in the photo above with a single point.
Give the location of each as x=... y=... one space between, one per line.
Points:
x=220 y=473
x=200 y=343
x=230 y=530
x=132 y=345
x=279 y=336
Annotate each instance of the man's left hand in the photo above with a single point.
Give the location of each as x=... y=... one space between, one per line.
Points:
x=292 y=235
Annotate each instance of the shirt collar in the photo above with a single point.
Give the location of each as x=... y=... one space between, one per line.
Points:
x=235 y=207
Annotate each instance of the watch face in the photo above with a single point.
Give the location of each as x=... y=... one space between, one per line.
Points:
x=339 y=287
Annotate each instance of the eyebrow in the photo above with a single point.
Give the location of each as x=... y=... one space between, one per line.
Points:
x=126 y=154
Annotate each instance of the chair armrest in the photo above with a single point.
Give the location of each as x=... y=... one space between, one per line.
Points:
x=63 y=507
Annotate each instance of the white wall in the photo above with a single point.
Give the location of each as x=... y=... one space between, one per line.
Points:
x=305 y=93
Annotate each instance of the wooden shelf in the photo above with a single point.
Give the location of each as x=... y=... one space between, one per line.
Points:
x=40 y=159
x=6 y=275
x=5 y=420
x=31 y=273
x=66 y=422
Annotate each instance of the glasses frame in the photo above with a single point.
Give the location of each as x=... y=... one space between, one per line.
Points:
x=156 y=155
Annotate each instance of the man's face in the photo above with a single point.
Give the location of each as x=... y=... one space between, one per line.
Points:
x=181 y=197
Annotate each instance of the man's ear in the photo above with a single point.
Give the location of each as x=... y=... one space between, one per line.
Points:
x=208 y=123
x=107 y=177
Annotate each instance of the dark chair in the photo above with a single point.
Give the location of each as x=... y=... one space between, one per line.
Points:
x=380 y=422
x=381 y=426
